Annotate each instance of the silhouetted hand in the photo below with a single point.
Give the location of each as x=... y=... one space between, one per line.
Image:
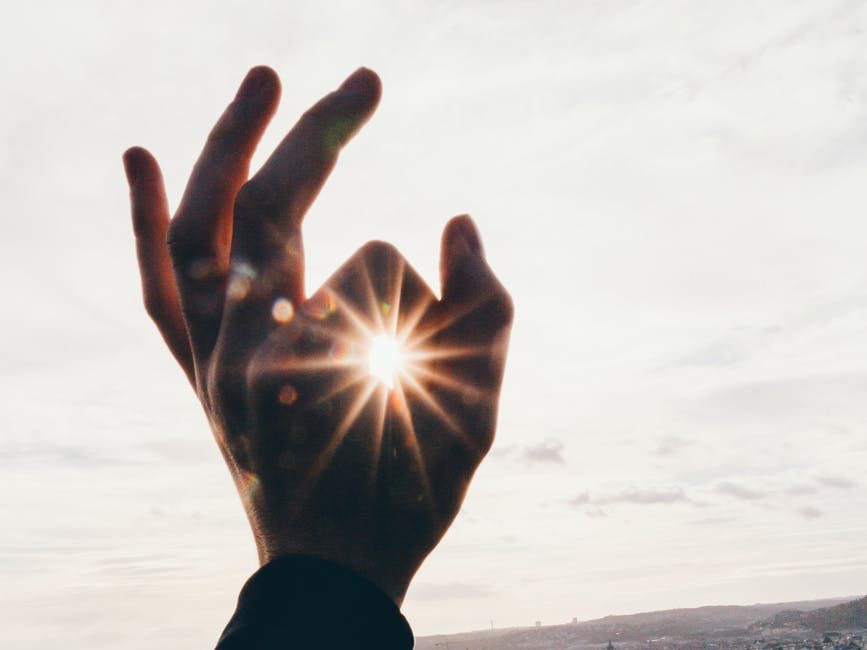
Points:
x=351 y=421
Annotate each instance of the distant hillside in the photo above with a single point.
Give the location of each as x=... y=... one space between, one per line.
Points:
x=705 y=621
x=712 y=621
x=849 y=615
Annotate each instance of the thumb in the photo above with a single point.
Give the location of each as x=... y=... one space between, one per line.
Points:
x=465 y=277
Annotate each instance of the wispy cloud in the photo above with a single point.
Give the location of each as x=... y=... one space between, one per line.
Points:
x=670 y=445
x=549 y=451
x=809 y=512
x=840 y=482
x=635 y=496
x=501 y=451
x=800 y=489
x=742 y=492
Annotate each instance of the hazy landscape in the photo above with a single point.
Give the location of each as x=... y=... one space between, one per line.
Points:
x=801 y=625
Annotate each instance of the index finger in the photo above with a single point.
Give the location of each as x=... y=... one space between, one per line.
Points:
x=267 y=254
x=270 y=206
x=199 y=235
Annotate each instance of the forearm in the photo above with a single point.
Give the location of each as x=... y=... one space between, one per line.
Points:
x=308 y=604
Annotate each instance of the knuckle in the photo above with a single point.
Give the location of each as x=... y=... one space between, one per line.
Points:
x=230 y=129
x=325 y=129
x=194 y=256
x=315 y=118
x=222 y=134
x=255 y=195
x=178 y=237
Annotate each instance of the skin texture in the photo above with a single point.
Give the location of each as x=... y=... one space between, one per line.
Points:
x=330 y=461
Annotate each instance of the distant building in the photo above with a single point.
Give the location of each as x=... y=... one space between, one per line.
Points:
x=610 y=646
x=574 y=620
x=538 y=623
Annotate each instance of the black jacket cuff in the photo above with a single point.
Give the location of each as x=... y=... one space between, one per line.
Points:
x=311 y=604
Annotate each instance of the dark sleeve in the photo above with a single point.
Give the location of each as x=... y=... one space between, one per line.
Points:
x=308 y=604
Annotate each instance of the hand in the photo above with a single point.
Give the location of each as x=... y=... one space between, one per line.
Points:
x=330 y=460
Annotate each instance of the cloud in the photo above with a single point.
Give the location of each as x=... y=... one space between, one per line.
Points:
x=635 y=496
x=501 y=451
x=809 y=512
x=735 y=348
x=739 y=491
x=650 y=496
x=840 y=482
x=550 y=451
x=669 y=445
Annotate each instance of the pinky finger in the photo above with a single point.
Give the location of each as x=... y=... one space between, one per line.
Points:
x=150 y=221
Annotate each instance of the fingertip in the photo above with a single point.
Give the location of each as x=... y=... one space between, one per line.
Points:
x=264 y=71
x=260 y=83
x=363 y=84
x=130 y=163
x=462 y=231
x=137 y=153
x=371 y=78
x=460 y=250
x=139 y=164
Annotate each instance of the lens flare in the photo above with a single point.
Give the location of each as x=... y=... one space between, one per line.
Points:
x=385 y=358
x=380 y=347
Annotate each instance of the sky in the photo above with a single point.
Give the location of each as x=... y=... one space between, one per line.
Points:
x=673 y=193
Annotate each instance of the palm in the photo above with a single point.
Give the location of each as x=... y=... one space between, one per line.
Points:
x=386 y=466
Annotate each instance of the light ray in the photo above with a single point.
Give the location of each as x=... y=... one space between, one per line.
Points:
x=394 y=309
x=373 y=300
x=357 y=319
x=412 y=444
x=446 y=380
x=431 y=402
x=379 y=428
x=421 y=336
x=339 y=387
x=456 y=352
x=340 y=432
x=411 y=321
x=323 y=362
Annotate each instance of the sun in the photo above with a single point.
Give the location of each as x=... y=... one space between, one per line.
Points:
x=388 y=363
x=385 y=358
